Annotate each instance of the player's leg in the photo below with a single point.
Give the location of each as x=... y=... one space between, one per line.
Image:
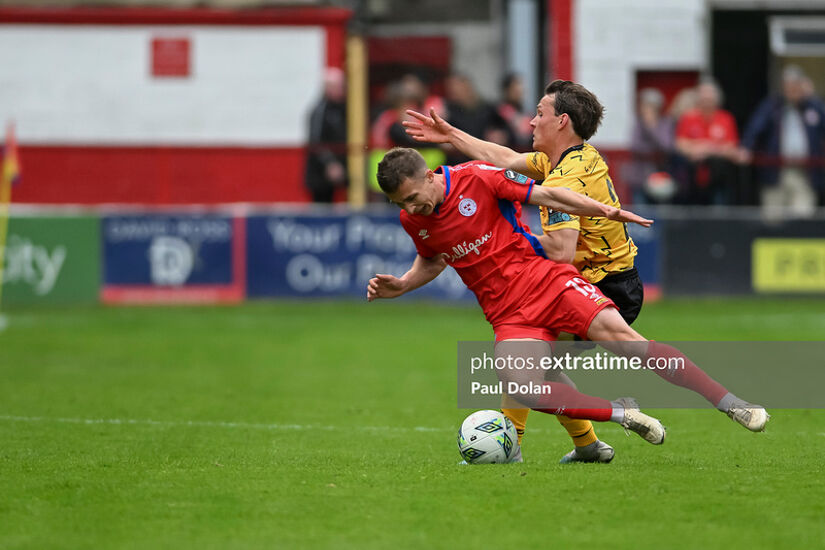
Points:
x=608 y=326
x=627 y=292
x=559 y=398
x=517 y=413
x=586 y=445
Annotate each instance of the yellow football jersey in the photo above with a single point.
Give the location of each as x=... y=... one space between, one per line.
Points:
x=604 y=246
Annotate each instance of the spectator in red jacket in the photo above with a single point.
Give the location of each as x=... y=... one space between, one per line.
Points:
x=708 y=138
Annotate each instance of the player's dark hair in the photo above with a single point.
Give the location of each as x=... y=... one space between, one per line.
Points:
x=579 y=103
x=397 y=165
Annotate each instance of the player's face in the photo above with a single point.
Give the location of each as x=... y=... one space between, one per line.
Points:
x=418 y=195
x=546 y=124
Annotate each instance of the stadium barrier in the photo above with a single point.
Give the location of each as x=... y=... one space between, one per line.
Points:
x=233 y=253
x=52 y=259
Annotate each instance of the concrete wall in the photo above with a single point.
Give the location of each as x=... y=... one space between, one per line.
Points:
x=93 y=84
x=615 y=39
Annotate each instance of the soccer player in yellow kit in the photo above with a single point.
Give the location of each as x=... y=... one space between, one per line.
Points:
x=601 y=250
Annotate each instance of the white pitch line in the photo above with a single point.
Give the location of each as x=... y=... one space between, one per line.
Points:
x=204 y=424
x=242 y=425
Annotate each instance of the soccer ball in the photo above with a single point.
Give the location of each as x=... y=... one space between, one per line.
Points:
x=487 y=437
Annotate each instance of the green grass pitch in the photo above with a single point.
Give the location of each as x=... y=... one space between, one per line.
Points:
x=332 y=425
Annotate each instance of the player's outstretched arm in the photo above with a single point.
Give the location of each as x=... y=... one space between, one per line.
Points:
x=434 y=129
x=565 y=200
x=422 y=272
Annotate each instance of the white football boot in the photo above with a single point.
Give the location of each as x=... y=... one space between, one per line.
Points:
x=753 y=417
x=649 y=428
x=599 y=451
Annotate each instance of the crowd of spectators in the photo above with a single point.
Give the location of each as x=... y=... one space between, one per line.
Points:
x=688 y=152
x=693 y=154
x=503 y=122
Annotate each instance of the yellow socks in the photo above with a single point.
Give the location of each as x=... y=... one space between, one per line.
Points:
x=516 y=412
x=580 y=431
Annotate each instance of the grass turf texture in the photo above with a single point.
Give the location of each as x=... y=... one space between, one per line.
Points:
x=293 y=425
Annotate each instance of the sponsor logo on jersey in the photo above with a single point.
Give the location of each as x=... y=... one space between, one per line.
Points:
x=554 y=217
x=423 y=234
x=465 y=248
x=516 y=177
x=467 y=207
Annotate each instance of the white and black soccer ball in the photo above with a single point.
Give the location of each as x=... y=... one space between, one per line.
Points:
x=487 y=437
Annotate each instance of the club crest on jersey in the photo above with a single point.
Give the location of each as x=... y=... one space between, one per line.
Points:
x=423 y=234
x=467 y=207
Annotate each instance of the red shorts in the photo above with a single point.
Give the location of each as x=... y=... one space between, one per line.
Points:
x=559 y=301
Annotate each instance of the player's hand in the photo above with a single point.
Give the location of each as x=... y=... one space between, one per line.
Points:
x=626 y=216
x=431 y=129
x=384 y=286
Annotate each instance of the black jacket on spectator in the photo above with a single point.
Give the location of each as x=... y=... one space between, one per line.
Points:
x=764 y=130
x=475 y=121
x=327 y=143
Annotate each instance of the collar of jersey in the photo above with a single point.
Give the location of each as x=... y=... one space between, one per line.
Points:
x=569 y=150
x=446 y=171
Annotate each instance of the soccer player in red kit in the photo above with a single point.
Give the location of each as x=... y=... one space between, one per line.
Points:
x=466 y=216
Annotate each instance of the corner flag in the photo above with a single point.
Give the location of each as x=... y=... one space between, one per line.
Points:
x=9 y=175
x=11 y=162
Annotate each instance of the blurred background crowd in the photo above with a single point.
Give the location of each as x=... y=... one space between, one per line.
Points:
x=683 y=145
x=215 y=127
x=685 y=150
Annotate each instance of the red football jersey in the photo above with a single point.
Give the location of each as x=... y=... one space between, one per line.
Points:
x=479 y=231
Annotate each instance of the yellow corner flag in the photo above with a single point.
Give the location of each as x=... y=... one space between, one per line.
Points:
x=9 y=176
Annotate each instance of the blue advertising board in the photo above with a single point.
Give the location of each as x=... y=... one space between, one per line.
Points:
x=172 y=257
x=328 y=255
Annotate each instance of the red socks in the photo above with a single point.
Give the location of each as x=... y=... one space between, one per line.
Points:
x=569 y=402
x=688 y=375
